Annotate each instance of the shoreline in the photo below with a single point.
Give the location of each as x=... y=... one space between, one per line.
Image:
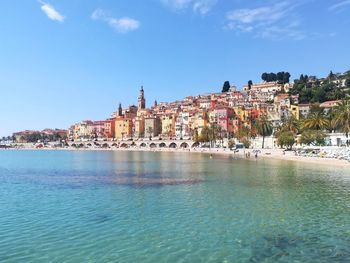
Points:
x=273 y=154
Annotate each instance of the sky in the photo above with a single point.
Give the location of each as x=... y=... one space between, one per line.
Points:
x=63 y=61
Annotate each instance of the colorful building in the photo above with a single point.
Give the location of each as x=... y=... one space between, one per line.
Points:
x=153 y=127
x=294 y=110
x=123 y=128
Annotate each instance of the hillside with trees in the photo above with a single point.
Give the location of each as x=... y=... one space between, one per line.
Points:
x=313 y=90
x=280 y=77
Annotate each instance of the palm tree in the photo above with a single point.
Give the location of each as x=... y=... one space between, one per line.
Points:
x=342 y=116
x=332 y=123
x=316 y=121
x=214 y=134
x=264 y=128
x=291 y=124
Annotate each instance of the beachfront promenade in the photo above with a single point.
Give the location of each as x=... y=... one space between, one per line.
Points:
x=329 y=155
x=138 y=144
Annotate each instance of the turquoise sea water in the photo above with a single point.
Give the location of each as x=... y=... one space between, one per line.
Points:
x=77 y=206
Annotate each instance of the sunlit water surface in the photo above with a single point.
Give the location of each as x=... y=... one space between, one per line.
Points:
x=77 y=206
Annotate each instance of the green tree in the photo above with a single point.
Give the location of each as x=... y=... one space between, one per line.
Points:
x=281 y=77
x=315 y=91
x=342 y=116
x=332 y=123
x=195 y=135
x=313 y=137
x=231 y=144
x=246 y=142
x=214 y=134
x=243 y=132
x=286 y=139
x=286 y=77
x=264 y=76
x=209 y=134
x=263 y=127
x=226 y=87
x=347 y=83
x=316 y=121
x=269 y=77
x=204 y=136
x=331 y=75
x=319 y=94
x=291 y=124
x=250 y=84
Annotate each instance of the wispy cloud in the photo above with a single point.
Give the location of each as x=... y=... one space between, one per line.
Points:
x=51 y=12
x=276 y=21
x=340 y=5
x=197 y=6
x=122 y=25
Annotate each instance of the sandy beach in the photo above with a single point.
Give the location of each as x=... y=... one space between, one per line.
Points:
x=276 y=154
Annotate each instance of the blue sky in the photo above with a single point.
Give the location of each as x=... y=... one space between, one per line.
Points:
x=62 y=61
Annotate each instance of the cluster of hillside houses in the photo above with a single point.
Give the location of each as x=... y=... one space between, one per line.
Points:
x=182 y=119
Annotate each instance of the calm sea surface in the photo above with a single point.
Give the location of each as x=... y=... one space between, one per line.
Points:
x=77 y=206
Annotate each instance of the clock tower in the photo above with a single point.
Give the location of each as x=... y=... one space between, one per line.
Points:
x=141 y=99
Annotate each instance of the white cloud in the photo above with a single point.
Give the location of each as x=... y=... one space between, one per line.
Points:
x=122 y=25
x=277 y=21
x=99 y=14
x=267 y=14
x=339 y=5
x=51 y=12
x=198 y=6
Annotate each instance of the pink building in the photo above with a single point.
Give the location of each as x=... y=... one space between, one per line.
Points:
x=98 y=128
x=226 y=119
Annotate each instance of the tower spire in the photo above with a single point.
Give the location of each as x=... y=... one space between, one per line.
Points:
x=141 y=99
x=120 y=110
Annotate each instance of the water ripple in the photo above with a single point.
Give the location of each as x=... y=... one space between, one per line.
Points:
x=142 y=207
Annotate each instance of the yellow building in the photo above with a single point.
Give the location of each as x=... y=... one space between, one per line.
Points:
x=241 y=113
x=168 y=125
x=82 y=130
x=199 y=121
x=76 y=129
x=139 y=127
x=123 y=128
x=294 y=109
x=211 y=116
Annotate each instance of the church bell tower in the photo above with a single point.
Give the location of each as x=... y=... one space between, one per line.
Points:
x=141 y=99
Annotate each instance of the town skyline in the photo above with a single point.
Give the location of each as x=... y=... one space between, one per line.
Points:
x=65 y=61
x=149 y=104
x=230 y=113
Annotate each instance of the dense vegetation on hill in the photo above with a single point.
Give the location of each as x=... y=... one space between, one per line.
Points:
x=280 y=77
x=313 y=90
x=226 y=87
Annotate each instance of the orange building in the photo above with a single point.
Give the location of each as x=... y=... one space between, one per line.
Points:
x=123 y=128
x=110 y=128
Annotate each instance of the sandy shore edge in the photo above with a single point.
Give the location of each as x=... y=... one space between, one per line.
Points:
x=274 y=154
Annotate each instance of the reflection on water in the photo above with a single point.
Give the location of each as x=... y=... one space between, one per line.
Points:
x=164 y=207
